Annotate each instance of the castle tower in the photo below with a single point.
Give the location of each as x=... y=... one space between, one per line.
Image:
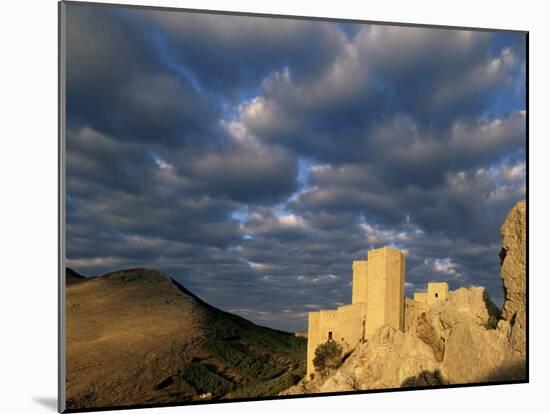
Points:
x=359 y=287
x=437 y=291
x=386 y=289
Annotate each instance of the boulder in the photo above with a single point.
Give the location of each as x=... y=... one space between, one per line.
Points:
x=474 y=354
x=476 y=303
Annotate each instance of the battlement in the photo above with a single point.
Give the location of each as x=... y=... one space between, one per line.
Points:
x=328 y=313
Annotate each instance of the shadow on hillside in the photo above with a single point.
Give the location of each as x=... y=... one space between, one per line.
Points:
x=425 y=378
x=509 y=372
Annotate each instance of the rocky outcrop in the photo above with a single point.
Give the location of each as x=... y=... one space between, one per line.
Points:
x=464 y=339
x=389 y=359
x=412 y=310
x=475 y=303
x=513 y=272
x=474 y=354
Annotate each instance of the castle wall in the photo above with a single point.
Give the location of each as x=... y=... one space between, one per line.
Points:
x=350 y=324
x=359 y=287
x=345 y=324
x=320 y=325
x=313 y=339
x=421 y=297
x=328 y=323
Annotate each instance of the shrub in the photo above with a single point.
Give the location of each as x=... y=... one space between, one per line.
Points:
x=327 y=357
x=292 y=379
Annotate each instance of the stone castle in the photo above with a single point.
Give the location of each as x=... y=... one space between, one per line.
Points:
x=378 y=298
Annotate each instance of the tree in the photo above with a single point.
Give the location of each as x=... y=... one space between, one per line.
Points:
x=327 y=357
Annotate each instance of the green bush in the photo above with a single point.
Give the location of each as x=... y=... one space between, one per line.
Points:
x=292 y=379
x=327 y=357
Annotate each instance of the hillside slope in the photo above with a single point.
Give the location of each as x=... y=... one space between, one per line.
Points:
x=138 y=337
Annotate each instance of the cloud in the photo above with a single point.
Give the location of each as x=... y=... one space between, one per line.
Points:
x=443 y=266
x=243 y=174
x=112 y=61
x=231 y=68
x=254 y=159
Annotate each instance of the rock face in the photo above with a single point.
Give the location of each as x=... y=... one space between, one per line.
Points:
x=391 y=358
x=513 y=273
x=464 y=339
x=475 y=302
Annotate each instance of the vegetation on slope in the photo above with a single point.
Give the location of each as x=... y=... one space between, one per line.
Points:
x=243 y=360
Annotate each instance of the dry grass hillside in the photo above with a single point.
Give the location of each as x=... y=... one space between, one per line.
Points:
x=138 y=337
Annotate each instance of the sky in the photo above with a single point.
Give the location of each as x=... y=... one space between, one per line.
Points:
x=253 y=159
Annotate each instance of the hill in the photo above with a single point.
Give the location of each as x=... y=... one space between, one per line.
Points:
x=138 y=337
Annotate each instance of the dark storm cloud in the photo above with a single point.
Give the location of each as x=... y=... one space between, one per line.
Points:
x=253 y=159
x=244 y=174
x=233 y=54
x=115 y=63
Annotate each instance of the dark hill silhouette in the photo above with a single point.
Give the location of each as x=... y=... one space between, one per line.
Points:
x=73 y=277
